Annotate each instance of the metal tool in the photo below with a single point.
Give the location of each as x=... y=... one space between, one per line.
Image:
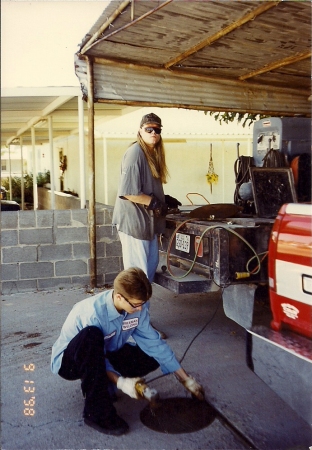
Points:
x=146 y=392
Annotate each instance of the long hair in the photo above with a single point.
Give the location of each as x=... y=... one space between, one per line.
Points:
x=156 y=159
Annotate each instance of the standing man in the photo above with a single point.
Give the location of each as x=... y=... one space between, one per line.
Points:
x=94 y=346
x=141 y=204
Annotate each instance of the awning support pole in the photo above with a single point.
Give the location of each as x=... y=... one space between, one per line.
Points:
x=105 y=170
x=52 y=181
x=34 y=158
x=10 y=174
x=22 y=175
x=91 y=174
x=82 y=153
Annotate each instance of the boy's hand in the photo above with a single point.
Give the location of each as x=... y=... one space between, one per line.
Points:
x=194 y=388
x=127 y=385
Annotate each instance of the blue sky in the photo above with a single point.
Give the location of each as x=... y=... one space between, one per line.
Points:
x=39 y=40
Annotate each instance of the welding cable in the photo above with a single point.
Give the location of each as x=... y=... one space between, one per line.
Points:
x=191 y=342
x=254 y=272
x=169 y=248
x=241 y=171
x=274 y=158
x=201 y=330
x=265 y=254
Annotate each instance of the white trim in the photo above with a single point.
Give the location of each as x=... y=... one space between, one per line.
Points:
x=289 y=281
x=299 y=209
x=53 y=91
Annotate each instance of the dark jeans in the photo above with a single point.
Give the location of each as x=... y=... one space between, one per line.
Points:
x=84 y=359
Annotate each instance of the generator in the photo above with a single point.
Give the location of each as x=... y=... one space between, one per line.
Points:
x=199 y=255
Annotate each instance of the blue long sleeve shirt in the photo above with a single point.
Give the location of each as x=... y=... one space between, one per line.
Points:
x=117 y=328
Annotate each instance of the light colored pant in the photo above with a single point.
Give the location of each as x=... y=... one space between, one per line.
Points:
x=139 y=253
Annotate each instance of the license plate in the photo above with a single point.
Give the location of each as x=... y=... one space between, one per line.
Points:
x=183 y=242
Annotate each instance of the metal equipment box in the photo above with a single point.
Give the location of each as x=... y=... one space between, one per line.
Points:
x=215 y=251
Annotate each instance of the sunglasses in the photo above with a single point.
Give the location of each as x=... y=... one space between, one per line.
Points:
x=131 y=304
x=151 y=129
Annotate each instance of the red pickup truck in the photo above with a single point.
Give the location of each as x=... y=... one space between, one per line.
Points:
x=278 y=320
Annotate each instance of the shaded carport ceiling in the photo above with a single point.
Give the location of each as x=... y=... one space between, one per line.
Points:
x=244 y=56
x=24 y=108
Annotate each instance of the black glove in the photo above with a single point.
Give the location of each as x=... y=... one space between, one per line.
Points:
x=159 y=208
x=172 y=202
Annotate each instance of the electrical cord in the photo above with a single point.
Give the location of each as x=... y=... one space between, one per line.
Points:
x=200 y=331
x=191 y=342
x=242 y=175
x=274 y=158
x=265 y=254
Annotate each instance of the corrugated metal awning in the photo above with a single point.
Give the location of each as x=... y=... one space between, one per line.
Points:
x=246 y=56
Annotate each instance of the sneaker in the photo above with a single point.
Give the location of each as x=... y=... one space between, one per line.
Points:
x=114 y=426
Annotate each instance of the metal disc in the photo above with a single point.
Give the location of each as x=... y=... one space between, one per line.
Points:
x=178 y=415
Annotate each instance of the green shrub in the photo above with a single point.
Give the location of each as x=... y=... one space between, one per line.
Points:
x=16 y=183
x=43 y=178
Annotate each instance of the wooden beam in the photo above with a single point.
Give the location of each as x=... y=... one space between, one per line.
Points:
x=105 y=25
x=129 y=24
x=275 y=65
x=265 y=6
x=91 y=174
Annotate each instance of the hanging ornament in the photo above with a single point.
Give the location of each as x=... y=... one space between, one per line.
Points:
x=212 y=177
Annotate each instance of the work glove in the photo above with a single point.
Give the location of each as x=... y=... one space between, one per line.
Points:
x=194 y=388
x=172 y=202
x=127 y=385
x=159 y=208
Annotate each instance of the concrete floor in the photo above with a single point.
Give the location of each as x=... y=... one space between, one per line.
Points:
x=31 y=322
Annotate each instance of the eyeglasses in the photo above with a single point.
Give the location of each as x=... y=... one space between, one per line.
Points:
x=131 y=304
x=151 y=129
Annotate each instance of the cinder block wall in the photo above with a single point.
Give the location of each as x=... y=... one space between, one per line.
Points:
x=45 y=249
